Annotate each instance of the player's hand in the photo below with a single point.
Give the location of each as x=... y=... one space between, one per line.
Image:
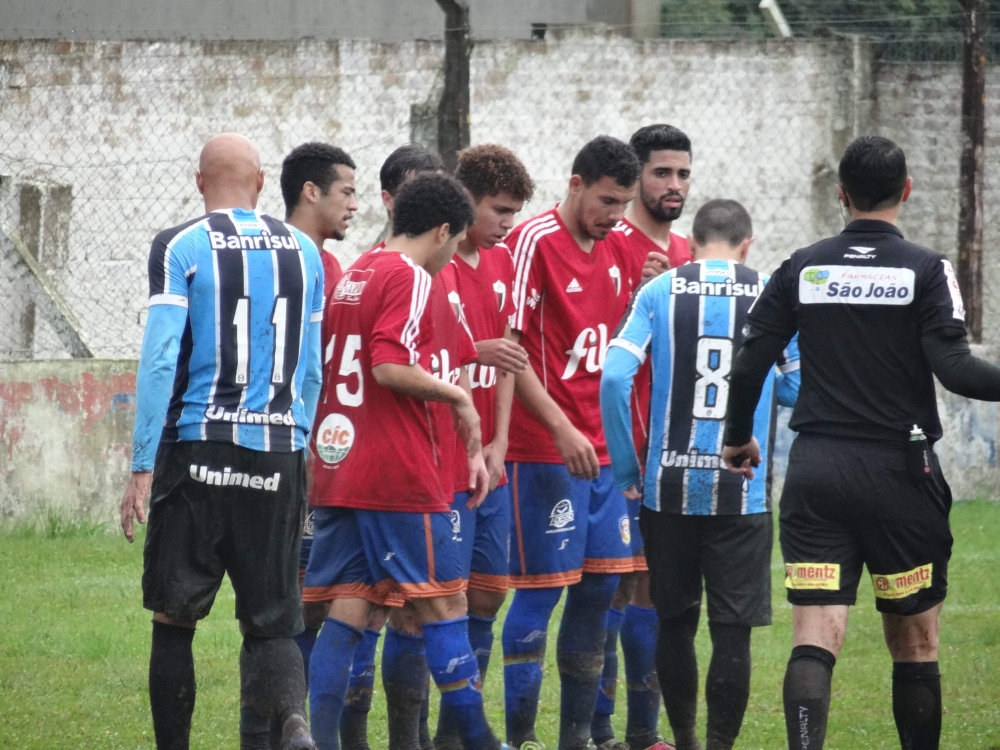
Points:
x=742 y=459
x=656 y=263
x=577 y=453
x=633 y=493
x=479 y=481
x=467 y=424
x=133 y=501
x=503 y=354
x=493 y=455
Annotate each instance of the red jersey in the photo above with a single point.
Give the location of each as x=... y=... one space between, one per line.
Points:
x=446 y=347
x=375 y=447
x=636 y=246
x=489 y=305
x=331 y=273
x=567 y=305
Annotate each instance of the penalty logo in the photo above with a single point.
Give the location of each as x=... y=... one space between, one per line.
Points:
x=561 y=515
x=334 y=438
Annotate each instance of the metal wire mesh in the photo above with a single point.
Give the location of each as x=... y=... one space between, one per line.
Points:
x=99 y=142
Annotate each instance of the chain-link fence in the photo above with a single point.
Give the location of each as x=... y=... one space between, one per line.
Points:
x=99 y=143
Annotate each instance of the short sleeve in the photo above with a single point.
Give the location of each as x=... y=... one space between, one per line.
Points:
x=528 y=276
x=940 y=297
x=172 y=262
x=774 y=310
x=400 y=316
x=635 y=331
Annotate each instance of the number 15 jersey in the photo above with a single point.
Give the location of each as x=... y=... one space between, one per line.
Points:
x=690 y=320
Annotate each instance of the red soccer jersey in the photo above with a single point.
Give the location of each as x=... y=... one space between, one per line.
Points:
x=636 y=246
x=489 y=305
x=567 y=304
x=331 y=272
x=446 y=347
x=374 y=447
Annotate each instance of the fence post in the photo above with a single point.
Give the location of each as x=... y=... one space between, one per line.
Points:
x=972 y=165
x=453 y=111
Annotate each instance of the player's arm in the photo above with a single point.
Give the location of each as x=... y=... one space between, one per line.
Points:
x=503 y=353
x=789 y=376
x=574 y=448
x=958 y=369
x=503 y=398
x=313 y=381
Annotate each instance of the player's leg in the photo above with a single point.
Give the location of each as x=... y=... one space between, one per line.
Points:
x=338 y=580
x=907 y=548
x=426 y=569
x=675 y=586
x=405 y=677
x=736 y=563
x=823 y=561
x=358 y=703
x=549 y=511
x=601 y=731
x=312 y=615
x=582 y=633
x=181 y=576
x=489 y=578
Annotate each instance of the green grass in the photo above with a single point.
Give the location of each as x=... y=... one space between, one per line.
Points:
x=74 y=644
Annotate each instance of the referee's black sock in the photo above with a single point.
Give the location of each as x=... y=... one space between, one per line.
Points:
x=677 y=669
x=273 y=682
x=916 y=704
x=727 y=688
x=171 y=685
x=807 y=696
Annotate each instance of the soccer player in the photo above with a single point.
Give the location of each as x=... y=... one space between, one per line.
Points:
x=571 y=523
x=383 y=527
x=700 y=522
x=499 y=185
x=647 y=238
x=228 y=382
x=877 y=318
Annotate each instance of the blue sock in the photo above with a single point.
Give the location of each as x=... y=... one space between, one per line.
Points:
x=404 y=678
x=306 y=641
x=525 y=630
x=580 y=655
x=456 y=673
x=639 y=646
x=600 y=728
x=329 y=676
x=354 y=721
x=481 y=640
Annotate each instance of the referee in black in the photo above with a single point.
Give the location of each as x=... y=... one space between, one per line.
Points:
x=877 y=318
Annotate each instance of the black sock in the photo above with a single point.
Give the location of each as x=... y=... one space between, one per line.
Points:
x=727 y=688
x=677 y=669
x=171 y=685
x=807 y=696
x=273 y=681
x=916 y=704
x=255 y=727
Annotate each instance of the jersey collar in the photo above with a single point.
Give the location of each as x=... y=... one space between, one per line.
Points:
x=868 y=226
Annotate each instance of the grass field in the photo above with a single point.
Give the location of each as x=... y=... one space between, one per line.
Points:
x=74 y=645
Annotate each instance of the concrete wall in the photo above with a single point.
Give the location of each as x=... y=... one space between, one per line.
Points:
x=66 y=433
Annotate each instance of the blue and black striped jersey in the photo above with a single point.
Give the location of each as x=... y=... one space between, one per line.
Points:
x=252 y=286
x=690 y=321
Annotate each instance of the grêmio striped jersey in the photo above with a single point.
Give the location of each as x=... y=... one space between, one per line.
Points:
x=689 y=321
x=252 y=285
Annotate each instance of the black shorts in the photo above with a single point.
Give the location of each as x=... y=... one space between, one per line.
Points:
x=731 y=553
x=217 y=508
x=850 y=503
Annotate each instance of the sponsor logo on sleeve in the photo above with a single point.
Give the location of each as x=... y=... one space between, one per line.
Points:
x=810 y=576
x=902 y=585
x=856 y=285
x=334 y=438
x=561 y=517
x=957 y=306
x=348 y=290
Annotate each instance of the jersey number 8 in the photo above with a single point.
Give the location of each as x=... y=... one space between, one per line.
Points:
x=711 y=390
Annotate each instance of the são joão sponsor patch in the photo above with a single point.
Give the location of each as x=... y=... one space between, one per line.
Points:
x=856 y=285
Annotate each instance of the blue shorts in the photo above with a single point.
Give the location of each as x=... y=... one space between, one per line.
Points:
x=564 y=527
x=483 y=537
x=638 y=547
x=381 y=556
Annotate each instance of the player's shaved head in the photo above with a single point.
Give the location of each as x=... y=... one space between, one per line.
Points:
x=229 y=173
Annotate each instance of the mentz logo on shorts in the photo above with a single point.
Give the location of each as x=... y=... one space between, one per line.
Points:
x=901 y=585
x=806 y=576
x=856 y=285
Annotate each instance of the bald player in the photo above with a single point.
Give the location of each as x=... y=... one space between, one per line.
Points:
x=227 y=387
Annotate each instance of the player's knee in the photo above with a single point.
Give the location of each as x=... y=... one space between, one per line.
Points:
x=626 y=590
x=485 y=604
x=378 y=618
x=314 y=613
x=161 y=617
x=406 y=619
x=912 y=639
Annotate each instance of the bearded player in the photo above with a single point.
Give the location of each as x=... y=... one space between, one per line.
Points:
x=571 y=523
x=647 y=238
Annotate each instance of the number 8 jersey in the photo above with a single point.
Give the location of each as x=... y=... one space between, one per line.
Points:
x=252 y=286
x=690 y=321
